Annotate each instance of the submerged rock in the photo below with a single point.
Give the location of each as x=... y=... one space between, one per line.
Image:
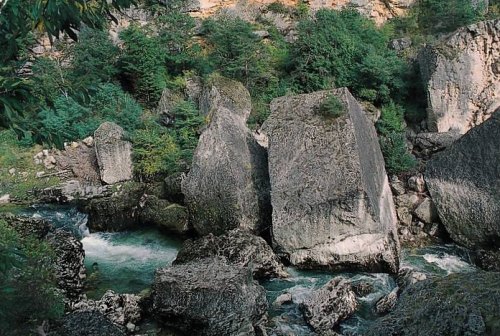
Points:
x=114 y=155
x=332 y=204
x=239 y=247
x=462 y=76
x=88 y=323
x=329 y=305
x=227 y=186
x=464 y=180
x=208 y=297
x=459 y=304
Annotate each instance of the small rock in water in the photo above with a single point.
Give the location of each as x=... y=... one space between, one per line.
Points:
x=407 y=276
x=387 y=303
x=362 y=288
x=330 y=305
x=283 y=299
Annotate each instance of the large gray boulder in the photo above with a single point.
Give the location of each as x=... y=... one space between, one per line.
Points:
x=227 y=186
x=459 y=304
x=208 y=297
x=332 y=204
x=462 y=76
x=464 y=182
x=239 y=247
x=114 y=154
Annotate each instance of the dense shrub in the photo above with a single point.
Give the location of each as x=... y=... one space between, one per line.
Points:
x=27 y=284
x=391 y=129
x=142 y=65
x=343 y=48
x=331 y=107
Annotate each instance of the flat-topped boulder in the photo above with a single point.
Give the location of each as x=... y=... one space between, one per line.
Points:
x=239 y=247
x=114 y=154
x=332 y=204
x=461 y=73
x=208 y=297
x=464 y=182
x=227 y=186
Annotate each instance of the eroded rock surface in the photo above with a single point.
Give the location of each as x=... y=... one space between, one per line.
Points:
x=114 y=154
x=227 y=186
x=462 y=73
x=329 y=305
x=332 y=204
x=208 y=297
x=464 y=182
x=239 y=247
x=459 y=304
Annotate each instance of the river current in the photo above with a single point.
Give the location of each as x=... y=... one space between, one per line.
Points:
x=126 y=261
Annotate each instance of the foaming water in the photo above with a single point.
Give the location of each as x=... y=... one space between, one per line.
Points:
x=126 y=261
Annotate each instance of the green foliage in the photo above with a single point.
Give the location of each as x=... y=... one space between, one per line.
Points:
x=391 y=129
x=236 y=52
x=27 y=284
x=142 y=64
x=278 y=7
x=155 y=151
x=94 y=58
x=396 y=154
x=343 y=48
x=331 y=107
x=160 y=151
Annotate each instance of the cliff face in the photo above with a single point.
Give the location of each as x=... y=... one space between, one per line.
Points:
x=462 y=76
x=378 y=10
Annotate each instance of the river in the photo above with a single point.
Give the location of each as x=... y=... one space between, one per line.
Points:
x=126 y=261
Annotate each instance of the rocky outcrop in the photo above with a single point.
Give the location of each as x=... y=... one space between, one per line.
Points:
x=329 y=305
x=332 y=204
x=462 y=76
x=121 y=309
x=114 y=154
x=208 y=297
x=464 y=184
x=165 y=215
x=28 y=226
x=459 y=304
x=378 y=10
x=69 y=266
x=87 y=323
x=387 y=303
x=227 y=186
x=117 y=212
x=239 y=247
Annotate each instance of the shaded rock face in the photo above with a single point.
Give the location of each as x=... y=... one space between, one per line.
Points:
x=329 y=305
x=70 y=267
x=462 y=73
x=332 y=204
x=88 y=323
x=464 y=184
x=459 y=304
x=227 y=186
x=208 y=297
x=28 y=226
x=114 y=155
x=165 y=215
x=121 y=309
x=239 y=247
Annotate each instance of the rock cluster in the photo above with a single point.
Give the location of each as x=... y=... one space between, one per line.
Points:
x=332 y=204
x=208 y=297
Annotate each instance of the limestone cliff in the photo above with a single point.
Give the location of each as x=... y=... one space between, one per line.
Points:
x=462 y=76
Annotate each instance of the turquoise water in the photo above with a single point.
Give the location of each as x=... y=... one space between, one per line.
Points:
x=126 y=263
